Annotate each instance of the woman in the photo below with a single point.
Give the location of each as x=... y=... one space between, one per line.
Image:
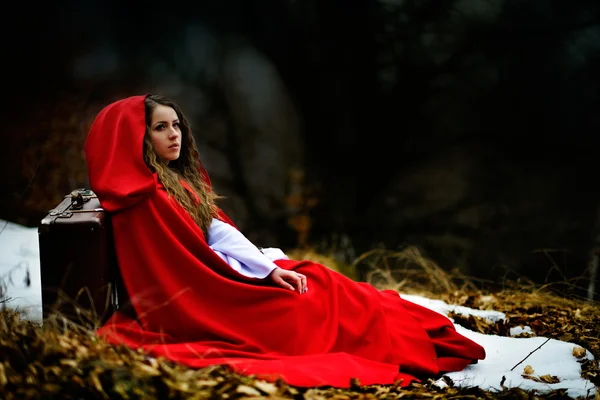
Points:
x=204 y=295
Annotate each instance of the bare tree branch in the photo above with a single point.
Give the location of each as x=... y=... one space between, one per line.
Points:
x=536 y=349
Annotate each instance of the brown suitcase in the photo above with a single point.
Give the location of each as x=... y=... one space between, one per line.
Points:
x=79 y=273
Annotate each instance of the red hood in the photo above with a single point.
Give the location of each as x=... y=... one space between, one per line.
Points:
x=114 y=155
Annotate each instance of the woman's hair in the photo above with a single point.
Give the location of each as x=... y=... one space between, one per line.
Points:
x=186 y=167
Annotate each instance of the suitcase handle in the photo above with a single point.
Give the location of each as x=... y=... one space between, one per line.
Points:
x=80 y=196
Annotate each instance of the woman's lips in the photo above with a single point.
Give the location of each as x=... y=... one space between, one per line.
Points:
x=174 y=146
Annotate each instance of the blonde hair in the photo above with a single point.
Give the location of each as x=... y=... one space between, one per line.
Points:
x=187 y=167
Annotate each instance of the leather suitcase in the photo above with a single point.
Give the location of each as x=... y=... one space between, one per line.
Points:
x=79 y=272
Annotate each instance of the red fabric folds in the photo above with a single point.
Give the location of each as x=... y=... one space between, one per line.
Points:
x=194 y=309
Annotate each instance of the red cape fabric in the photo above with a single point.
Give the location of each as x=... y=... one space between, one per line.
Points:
x=194 y=309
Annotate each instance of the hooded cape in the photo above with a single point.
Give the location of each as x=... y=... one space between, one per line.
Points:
x=193 y=308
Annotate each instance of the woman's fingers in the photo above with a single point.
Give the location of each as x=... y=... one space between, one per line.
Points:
x=304 y=288
x=297 y=282
x=290 y=280
x=283 y=283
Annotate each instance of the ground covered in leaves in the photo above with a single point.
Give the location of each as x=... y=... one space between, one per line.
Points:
x=64 y=360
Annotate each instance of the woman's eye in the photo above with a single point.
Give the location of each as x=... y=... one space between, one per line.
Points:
x=159 y=127
x=176 y=124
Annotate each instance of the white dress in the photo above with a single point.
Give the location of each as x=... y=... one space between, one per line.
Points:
x=240 y=253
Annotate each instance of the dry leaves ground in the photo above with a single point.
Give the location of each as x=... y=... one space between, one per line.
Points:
x=64 y=360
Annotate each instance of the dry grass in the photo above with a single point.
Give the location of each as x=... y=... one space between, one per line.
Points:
x=66 y=360
x=407 y=271
x=324 y=259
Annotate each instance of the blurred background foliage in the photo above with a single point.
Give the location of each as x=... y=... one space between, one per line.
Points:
x=465 y=128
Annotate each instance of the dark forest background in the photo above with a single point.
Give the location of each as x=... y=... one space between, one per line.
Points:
x=464 y=127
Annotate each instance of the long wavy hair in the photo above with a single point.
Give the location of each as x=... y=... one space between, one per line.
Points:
x=186 y=167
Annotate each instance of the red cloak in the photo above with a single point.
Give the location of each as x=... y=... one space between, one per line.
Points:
x=194 y=309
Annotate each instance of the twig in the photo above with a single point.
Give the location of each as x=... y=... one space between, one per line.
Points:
x=4 y=227
x=547 y=340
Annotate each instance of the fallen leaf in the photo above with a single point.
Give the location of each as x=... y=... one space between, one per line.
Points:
x=549 y=378
x=207 y=382
x=566 y=337
x=3 y=380
x=578 y=352
x=293 y=391
x=77 y=380
x=68 y=362
x=147 y=369
x=266 y=387
x=96 y=382
x=531 y=378
x=51 y=388
x=82 y=351
x=64 y=343
x=528 y=370
x=247 y=390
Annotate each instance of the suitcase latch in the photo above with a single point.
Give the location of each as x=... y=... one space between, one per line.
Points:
x=59 y=214
x=78 y=198
x=77 y=201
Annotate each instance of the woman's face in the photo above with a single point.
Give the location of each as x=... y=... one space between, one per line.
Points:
x=165 y=133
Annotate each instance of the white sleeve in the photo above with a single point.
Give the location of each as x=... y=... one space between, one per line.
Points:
x=237 y=251
x=273 y=253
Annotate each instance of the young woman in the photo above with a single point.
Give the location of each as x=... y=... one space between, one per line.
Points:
x=205 y=295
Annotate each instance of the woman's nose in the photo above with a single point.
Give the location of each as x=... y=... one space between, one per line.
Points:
x=173 y=133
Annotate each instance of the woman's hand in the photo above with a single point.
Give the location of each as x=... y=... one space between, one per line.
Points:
x=289 y=279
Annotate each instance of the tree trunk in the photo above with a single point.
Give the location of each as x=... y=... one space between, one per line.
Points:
x=594 y=258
